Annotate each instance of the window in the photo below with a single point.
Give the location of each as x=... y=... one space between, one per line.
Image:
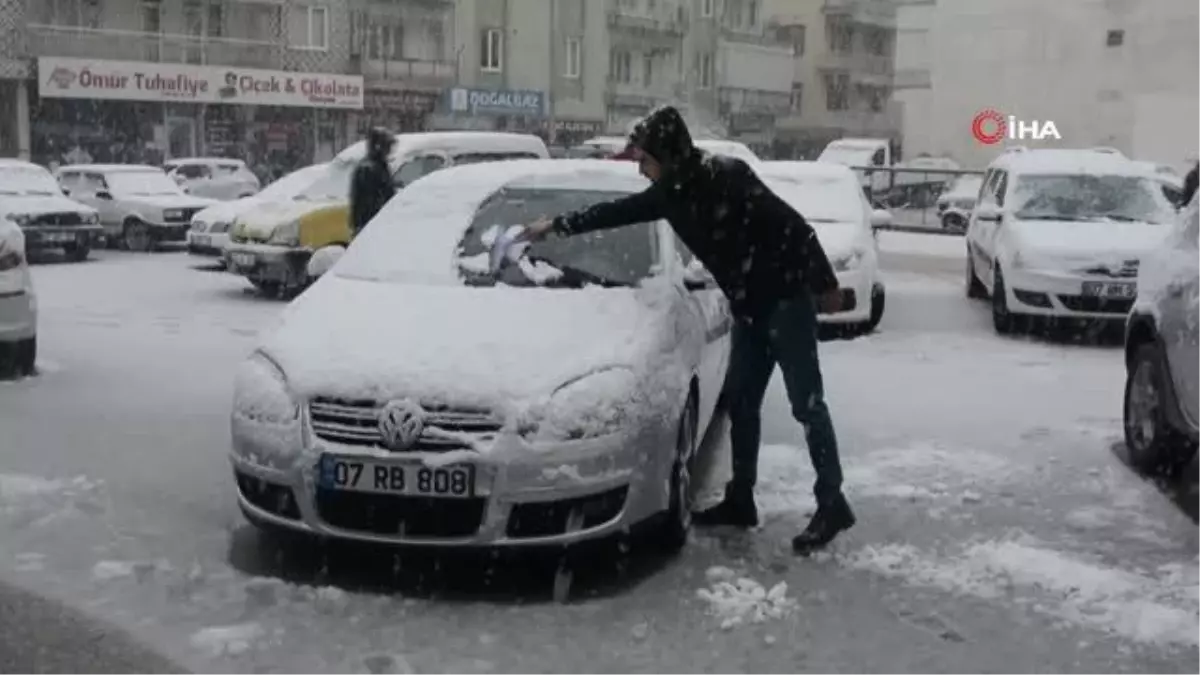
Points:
x=704 y=67
x=216 y=20
x=752 y=13
x=797 y=35
x=839 y=35
x=151 y=19
x=875 y=41
x=194 y=171
x=386 y=43
x=416 y=168
x=491 y=50
x=797 y=97
x=308 y=27
x=647 y=70
x=837 y=91
x=573 y=56
x=620 y=67
x=707 y=8
x=1115 y=38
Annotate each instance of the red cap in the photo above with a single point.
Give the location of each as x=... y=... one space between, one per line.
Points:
x=626 y=155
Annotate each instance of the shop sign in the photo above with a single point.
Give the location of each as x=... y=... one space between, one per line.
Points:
x=402 y=100
x=578 y=127
x=182 y=83
x=498 y=102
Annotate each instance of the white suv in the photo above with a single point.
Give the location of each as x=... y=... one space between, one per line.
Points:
x=1060 y=233
x=215 y=178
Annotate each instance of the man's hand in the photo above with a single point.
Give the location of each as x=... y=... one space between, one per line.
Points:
x=830 y=302
x=536 y=230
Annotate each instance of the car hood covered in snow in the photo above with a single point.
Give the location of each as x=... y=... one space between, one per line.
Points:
x=840 y=239
x=1088 y=241
x=262 y=217
x=466 y=345
x=34 y=205
x=181 y=201
x=225 y=212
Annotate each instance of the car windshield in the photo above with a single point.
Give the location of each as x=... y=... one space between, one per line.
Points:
x=821 y=199
x=1087 y=197
x=148 y=182
x=966 y=186
x=291 y=185
x=847 y=156
x=619 y=257
x=333 y=184
x=27 y=180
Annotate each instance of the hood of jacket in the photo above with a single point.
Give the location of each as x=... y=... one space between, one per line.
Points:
x=664 y=136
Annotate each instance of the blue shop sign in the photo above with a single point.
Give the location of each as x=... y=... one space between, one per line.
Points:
x=498 y=101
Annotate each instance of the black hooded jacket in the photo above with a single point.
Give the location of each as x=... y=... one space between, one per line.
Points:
x=371 y=186
x=757 y=248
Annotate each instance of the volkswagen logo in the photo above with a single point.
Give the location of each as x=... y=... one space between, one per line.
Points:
x=401 y=424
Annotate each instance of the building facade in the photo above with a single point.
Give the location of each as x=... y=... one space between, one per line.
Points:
x=843 y=71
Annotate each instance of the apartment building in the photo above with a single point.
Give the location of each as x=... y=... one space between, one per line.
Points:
x=843 y=69
x=275 y=82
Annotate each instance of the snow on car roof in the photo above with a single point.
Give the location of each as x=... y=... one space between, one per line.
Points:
x=729 y=148
x=7 y=161
x=454 y=141
x=108 y=168
x=1057 y=161
x=799 y=169
x=426 y=220
x=181 y=161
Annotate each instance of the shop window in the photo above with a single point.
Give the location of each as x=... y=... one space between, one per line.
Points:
x=491 y=50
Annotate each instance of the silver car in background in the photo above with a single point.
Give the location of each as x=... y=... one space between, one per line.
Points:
x=410 y=397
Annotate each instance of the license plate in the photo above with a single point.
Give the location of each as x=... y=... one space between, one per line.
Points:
x=396 y=478
x=243 y=259
x=58 y=237
x=1104 y=289
x=202 y=239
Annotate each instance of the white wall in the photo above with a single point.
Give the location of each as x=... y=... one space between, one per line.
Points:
x=749 y=66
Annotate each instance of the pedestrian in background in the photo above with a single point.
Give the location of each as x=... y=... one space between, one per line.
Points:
x=372 y=186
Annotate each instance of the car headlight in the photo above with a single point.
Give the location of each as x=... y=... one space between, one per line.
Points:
x=199 y=225
x=92 y=218
x=172 y=214
x=20 y=218
x=260 y=393
x=965 y=204
x=850 y=261
x=287 y=234
x=219 y=226
x=597 y=404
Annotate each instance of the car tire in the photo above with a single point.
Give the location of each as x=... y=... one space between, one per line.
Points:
x=878 y=301
x=137 y=237
x=77 y=252
x=678 y=523
x=1153 y=444
x=952 y=222
x=975 y=288
x=18 y=359
x=1004 y=321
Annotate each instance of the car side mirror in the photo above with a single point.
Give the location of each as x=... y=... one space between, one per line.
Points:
x=881 y=218
x=696 y=277
x=104 y=194
x=988 y=213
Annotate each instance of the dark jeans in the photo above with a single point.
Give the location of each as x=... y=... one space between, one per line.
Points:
x=788 y=337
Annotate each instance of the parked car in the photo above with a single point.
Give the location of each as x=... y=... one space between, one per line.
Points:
x=570 y=411
x=611 y=147
x=139 y=206
x=1162 y=346
x=209 y=233
x=830 y=198
x=273 y=244
x=955 y=204
x=213 y=177
x=1060 y=233
x=30 y=197
x=18 y=305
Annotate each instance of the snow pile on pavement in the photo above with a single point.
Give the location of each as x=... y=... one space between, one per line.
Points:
x=735 y=600
x=218 y=641
x=30 y=498
x=1161 y=607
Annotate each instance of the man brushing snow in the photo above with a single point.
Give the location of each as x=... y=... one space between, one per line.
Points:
x=767 y=260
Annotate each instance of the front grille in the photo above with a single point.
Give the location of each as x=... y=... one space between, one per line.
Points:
x=64 y=218
x=1080 y=303
x=185 y=218
x=356 y=422
x=400 y=515
x=1127 y=271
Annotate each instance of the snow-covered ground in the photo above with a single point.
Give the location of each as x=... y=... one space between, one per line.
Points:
x=997 y=528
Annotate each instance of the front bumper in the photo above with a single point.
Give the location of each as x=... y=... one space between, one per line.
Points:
x=856 y=298
x=1060 y=294
x=207 y=243
x=170 y=232
x=265 y=262
x=58 y=236
x=583 y=491
x=18 y=316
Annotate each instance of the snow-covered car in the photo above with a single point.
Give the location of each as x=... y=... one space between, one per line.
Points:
x=408 y=396
x=18 y=305
x=1162 y=346
x=281 y=247
x=209 y=234
x=139 y=206
x=955 y=204
x=30 y=197
x=1060 y=233
x=216 y=178
x=729 y=149
x=830 y=198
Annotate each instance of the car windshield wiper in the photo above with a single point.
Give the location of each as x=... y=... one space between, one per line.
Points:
x=573 y=277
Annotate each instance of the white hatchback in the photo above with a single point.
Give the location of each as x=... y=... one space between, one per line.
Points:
x=216 y=178
x=410 y=397
x=830 y=199
x=1060 y=233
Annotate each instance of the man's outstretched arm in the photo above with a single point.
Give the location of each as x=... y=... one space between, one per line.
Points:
x=644 y=206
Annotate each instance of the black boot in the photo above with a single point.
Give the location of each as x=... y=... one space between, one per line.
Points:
x=826 y=523
x=737 y=509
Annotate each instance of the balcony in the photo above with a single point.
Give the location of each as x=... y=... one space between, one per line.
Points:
x=125 y=45
x=869 y=12
x=432 y=74
x=912 y=78
x=660 y=21
x=635 y=95
x=866 y=123
x=863 y=67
